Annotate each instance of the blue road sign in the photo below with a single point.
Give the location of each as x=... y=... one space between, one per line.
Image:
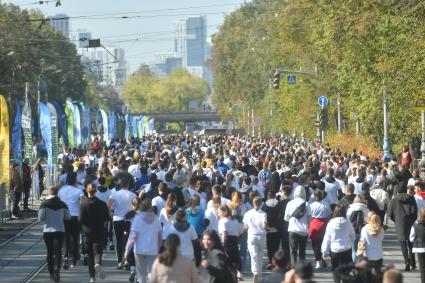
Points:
x=322 y=101
x=292 y=80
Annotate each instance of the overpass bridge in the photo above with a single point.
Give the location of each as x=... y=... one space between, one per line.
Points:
x=183 y=117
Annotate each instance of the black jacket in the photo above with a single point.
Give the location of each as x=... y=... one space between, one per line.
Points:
x=216 y=272
x=93 y=215
x=403 y=212
x=419 y=241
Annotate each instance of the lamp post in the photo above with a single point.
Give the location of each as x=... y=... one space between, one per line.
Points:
x=422 y=162
x=386 y=146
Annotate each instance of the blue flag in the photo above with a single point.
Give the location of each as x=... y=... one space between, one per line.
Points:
x=46 y=131
x=62 y=126
x=17 y=135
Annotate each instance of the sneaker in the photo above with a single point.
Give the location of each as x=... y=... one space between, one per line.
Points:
x=132 y=276
x=126 y=266
x=92 y=279
x=120 y=265
x=65 y=264
x=240 y=276
x=257 y=278
x=324 y=263
x=413 y=267
x=99 y=271
x=318 y=265
x=112 y=247
x=407 y=268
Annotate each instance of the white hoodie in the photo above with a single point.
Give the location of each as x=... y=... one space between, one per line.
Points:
x=299 y=226
x=339 y=236
x=356 y=207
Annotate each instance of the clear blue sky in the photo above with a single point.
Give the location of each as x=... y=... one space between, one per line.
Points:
x=153 y=28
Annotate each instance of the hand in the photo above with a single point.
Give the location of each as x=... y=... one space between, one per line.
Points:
x=204 y=263
x=289 y=276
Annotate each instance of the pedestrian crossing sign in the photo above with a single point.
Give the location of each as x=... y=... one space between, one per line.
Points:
x=292 y=79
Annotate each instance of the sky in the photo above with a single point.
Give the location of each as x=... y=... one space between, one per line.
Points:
x=148 y=31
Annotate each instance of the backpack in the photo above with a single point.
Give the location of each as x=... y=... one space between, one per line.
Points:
x=357 y=219
x=300 y=211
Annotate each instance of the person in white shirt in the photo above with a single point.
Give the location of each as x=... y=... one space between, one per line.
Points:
x=134 y=169
x=338 y=239
x=167 y=215
x=146 y=238
x=298 y=214
x=216 y=192
x=255 y=221
x=332 y=188
x=158 y=202
x=186 y=233
x=211 y=214
x=371 y=236
x=380 y=196
x=121 y=201
x=229 y=231
x=420 y=195
x=72 y=197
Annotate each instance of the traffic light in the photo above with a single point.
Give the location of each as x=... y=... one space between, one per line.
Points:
x=276 y=80
x=229 y=106
x=323 y=117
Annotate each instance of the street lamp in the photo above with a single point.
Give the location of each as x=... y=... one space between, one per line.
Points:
x=422 y=162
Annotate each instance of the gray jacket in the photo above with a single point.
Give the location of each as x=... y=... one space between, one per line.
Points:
x=53 y=212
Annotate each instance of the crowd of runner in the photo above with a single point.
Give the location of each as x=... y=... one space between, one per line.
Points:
x=195 y=209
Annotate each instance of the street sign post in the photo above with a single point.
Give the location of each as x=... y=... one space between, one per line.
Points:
x=322 y=101
x=420 y=105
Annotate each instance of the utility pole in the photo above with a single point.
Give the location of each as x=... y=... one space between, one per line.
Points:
x=422 y=162
x=386 y=146
x=339 y=114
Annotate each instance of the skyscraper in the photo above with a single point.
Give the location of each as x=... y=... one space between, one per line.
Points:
x=191 y=40
x=60 y=22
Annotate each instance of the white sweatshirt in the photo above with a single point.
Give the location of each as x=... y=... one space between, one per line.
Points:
x=299 y=226
x=339 y=236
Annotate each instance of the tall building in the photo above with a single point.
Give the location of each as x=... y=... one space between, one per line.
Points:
x=191 y=41
x=120 y=67
x=60 y=22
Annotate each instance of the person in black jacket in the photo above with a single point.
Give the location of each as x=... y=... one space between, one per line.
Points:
x=370 y=202
x=417 y=237
x=283 y=225
x=214 y=268
x=272 y=207
x=403 y=211
x=93 y=215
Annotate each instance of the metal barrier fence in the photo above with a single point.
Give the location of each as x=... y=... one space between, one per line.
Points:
x=6 y=195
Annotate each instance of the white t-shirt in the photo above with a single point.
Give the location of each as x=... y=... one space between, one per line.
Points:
x=71 y=196
x=186 y=238
x=255 y=220
x=224 y=201
x=134 y=170
x=159 y=202
x=212 y=216
x=166 y=223
x=121 y=202
x=231 y=226
x=147 y=234
x=103 y=196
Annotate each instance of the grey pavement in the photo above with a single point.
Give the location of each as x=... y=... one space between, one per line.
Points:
x=21 y=257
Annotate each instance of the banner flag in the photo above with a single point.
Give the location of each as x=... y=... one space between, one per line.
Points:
x=112 y=127
x=77 y=126
x=17 y=135
x=4 y=143
x=55 y=133
x=61 y=118
x=146 y=125
x=151 y=126
x=105 y=125
x=69 y=112
x=127 y=126
x=85 y=132
x=46 y=131
x=27 y=130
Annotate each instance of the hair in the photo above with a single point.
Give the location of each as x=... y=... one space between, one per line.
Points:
x=195 y=201
x=358 y=199
x=374 y=221
x=170 y=204
x=319 y=195
x=90 y=189
x=256 y=201
x=421 y=215
x=216 y=189
x=225 y=211
x=236 y=200
x=71 y=178
x=281 y=259
x=180 y=215
x=171 y=246
x=286 y=189
x=349 y=188
x=101 y=181
x=392 y=276
x=146 y=204
x=213 y=235
x=339 y=211
x=216 y=202
x=53 y=190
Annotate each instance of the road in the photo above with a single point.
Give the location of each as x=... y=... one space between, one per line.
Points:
x=22 y=259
